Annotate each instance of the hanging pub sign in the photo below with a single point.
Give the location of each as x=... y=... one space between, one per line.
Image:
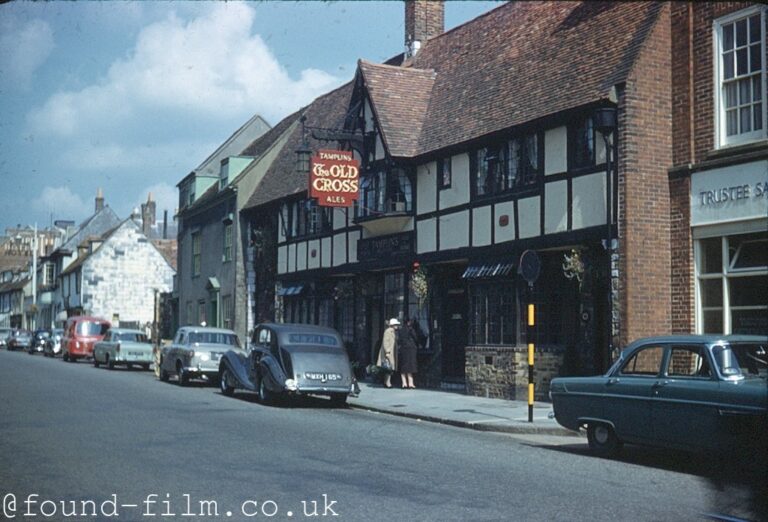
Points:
x=334 y=177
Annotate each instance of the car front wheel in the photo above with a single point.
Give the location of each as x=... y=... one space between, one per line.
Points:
x=110 y=362
x=183 y=377
x=96 y=362
x=224 y=386
x=265 y=395
x=602 y=440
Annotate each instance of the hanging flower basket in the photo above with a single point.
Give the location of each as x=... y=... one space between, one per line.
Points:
x=419 y=285
x=573 y=265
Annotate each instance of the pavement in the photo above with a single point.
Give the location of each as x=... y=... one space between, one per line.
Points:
x=457 y=409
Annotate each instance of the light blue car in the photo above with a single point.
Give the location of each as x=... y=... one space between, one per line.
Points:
x=125 y=347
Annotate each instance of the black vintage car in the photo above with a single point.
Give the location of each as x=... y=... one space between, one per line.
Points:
x=39 y=338
x=288 y=360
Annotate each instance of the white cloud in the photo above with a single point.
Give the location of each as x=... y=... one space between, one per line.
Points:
x=23 y=49
x=60 y=201
x=210 y=67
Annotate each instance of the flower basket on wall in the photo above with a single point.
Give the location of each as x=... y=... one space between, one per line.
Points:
x=420 y=285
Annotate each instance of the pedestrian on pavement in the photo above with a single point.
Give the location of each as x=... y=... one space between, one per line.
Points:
x=388 y=352
x=408 y=347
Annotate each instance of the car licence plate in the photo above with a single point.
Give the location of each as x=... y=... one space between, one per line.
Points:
x=323 y=377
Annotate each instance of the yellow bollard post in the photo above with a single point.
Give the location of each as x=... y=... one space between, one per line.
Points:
x=531 y=350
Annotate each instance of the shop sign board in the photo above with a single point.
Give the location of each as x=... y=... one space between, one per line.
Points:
x=387 y=248
x=334 y=178
x=733 y=193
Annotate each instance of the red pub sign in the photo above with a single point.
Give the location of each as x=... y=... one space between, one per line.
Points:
x=334 y=178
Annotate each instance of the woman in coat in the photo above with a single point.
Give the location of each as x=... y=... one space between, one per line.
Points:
x=409 y=344
x=388 y=350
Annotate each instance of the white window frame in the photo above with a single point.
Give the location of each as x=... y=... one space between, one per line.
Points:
x=721 y=139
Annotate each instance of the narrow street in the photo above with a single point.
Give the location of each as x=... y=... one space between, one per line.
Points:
x=71 y=432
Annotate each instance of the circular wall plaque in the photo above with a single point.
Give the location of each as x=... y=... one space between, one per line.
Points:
x=530 y=266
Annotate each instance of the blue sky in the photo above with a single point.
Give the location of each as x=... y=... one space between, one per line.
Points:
x=132 y=96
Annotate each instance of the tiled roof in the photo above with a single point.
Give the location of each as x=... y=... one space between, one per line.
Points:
x=400 y=98
x=515 y=64
x=281 y=179
x=168 y=248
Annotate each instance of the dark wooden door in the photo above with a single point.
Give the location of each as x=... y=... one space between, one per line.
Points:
x=455 y=331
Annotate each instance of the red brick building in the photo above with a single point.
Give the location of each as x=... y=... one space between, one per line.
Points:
x=718 y=182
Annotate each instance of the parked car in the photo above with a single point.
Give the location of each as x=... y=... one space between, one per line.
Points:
x=123 y=346
x=52 y=346
x=5 y=334
x=694 y=393
x=288 y=360
x=20 y=340
x=80 y=334
x=195 y=353
x=39 y=339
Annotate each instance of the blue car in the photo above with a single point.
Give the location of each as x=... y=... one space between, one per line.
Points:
x=696 y=393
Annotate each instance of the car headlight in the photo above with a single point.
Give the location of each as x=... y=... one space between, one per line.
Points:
x=204 y=357
x=291 y=385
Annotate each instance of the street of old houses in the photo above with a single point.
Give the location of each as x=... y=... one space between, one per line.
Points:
x=531 y=204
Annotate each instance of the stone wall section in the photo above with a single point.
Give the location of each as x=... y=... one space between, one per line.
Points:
x=502 y=372
x=121 y=275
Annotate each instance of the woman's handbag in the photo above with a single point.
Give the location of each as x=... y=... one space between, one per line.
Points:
x=386 y=364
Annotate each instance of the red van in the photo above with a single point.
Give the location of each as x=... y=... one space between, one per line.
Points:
x=80 y=333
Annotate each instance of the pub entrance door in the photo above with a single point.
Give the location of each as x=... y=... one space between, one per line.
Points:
x=455 y=331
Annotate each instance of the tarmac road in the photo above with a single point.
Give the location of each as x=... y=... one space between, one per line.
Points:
x=71 y=432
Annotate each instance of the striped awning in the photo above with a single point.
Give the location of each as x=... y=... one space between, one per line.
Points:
x=291 y=290
x=488 y=270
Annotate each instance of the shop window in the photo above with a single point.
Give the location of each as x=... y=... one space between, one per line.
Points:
x=740 y=76
x=507 y=166
x=394 y=296
x=731 y=284
x=492 y=313
x=384 y=192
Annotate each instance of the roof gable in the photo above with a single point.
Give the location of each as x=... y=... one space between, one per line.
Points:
x=399 y=98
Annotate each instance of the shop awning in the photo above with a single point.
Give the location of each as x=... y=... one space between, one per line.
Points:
x=488 y=270
x=291 y=290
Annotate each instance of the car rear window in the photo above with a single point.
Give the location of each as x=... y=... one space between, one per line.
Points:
x=307 y=338
x=214 y=338
x=133 y=337
x=92 y=328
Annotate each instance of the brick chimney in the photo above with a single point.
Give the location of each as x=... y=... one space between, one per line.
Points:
x=148 y=213
x=424 y=19
x=99 y=200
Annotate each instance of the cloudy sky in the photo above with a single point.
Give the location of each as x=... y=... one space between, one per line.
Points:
x=130 y=96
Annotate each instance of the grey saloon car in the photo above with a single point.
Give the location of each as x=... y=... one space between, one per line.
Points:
x=694 y=393
x=288 y=360
x=125 y=347
x=195 y=353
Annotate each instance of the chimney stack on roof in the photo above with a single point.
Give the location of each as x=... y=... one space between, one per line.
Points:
x=99 y=200
x=424 y=19
x=148 y=215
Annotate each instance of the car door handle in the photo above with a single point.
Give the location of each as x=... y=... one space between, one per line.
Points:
x=613 y=380
x=659 y=384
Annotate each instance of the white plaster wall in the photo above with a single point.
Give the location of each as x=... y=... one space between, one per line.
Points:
x=481 y=226
x=589 y=203
x=301 y=256
x=313 y=262
x=458 y=194
x=339 y=217
x=339 y=249
x=556 y=150
x=292 y=257
x=529 y=217
x=454 y=230
x=326 y=247
x=426 y=185
x=506 y=233
x=426 y=236
x=555 y=207
x=282 y=253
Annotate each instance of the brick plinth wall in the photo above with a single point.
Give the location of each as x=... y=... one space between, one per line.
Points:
x=501 y=372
